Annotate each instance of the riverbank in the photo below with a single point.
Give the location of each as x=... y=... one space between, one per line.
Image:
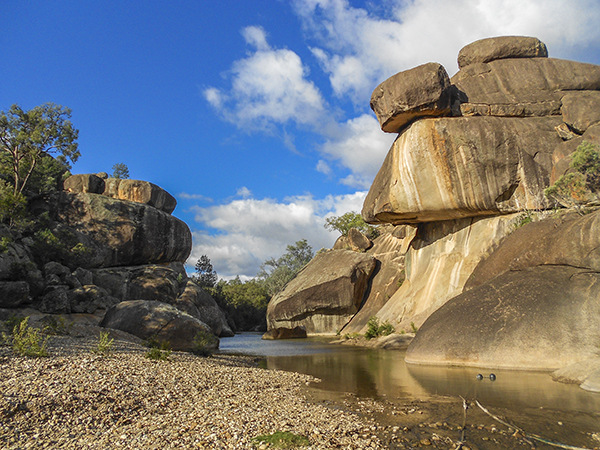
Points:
x=76 y=399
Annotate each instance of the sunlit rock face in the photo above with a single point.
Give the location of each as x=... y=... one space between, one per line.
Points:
x=121 y=233
x=501 y=47
x=325 y=294
x=449 y=168
x=485 y=286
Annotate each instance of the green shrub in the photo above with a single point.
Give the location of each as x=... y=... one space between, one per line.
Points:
x=573 y=189
x=375 y=329
x=203 y=344
x=104 y=345
x=158 y=350
x=5 y=244
x=413 y=327
x=281 y=439
x=27 y=341
x=57 y=326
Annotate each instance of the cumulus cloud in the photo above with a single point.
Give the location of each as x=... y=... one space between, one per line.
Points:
x=361 y=146
x=240 y=235
x=268 y=87
x=360 y=48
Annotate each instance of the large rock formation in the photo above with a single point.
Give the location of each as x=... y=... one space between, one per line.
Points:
x=485 y=288
x=325 y=294
x=441 y=169
x=102 y=242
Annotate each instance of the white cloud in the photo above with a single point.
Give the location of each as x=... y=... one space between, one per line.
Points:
x=359 y=48
x=360 y=145
x=245 y=233
x=244 y=192
x=186 y=196
x=323 y=167
x=268 y=87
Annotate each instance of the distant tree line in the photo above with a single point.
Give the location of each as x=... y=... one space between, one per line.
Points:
x=246 y=301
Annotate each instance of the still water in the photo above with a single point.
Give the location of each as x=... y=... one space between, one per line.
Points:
x=383 y=373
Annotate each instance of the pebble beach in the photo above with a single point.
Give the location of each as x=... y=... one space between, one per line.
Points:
x=76 y=399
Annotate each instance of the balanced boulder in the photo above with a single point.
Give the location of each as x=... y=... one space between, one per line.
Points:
x=424 y=91
x=447 y=168
x=325 y=294
x=502 y=47
x=140 y=192
x=522 y=87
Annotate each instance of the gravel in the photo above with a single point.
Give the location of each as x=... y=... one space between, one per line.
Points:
x=77 y=399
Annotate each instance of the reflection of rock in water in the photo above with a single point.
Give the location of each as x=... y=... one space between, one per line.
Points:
x=510 y=389
x=337 y=374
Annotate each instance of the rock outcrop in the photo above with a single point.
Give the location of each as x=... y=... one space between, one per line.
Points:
x=325 y=294
x=108 y=242
x=158 y=321
x=491 y=275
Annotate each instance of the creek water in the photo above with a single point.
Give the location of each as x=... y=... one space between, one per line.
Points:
x=383 y=374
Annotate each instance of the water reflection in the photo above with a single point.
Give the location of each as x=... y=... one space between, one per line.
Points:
x=377 y=373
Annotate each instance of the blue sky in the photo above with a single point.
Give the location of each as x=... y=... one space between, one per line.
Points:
x=254 y=115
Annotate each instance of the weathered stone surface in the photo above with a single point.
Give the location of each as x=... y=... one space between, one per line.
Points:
x=577 y=373
x=441 y=169
x=522 y=87
x=120 y=233
x=565 y=132
x=82 y=183
x=358 y=242
x=199 y=304
x=592 y=382
x=567 y=240
x=440 y=260
x=140 y=192
x=285 y=333
x=146 y=319
x=84 y=276
x=13 y=294
x=419 y=92
x=147 y=282
x=88 y=299
x=389 y=250
x=502 y=47
x=325 y=294
x=541 y=318
x=55 y=301
x=581 y=109
x=56 y=268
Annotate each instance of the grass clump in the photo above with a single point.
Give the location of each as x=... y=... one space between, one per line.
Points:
x=204 y=344
x=158 y=350
x=583 y=182
x=281 y=439
x=56 y=326
x=25 y=340
x=375 y=329
x=104 y=345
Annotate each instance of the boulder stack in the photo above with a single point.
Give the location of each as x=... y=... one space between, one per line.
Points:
x=486 y=286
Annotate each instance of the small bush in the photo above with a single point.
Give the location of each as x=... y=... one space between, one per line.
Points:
x=159 y=350
x=57 y=326
x=281 y=439
x=104 y=345
x=27 y=341
x=203 y=344
x=413 y=327
x=375 y=329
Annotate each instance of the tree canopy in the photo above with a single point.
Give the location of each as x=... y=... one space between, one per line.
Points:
x=351 y=219
x=276 y=273
x=205 y=276
x=27 y=138
x=121 y=171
